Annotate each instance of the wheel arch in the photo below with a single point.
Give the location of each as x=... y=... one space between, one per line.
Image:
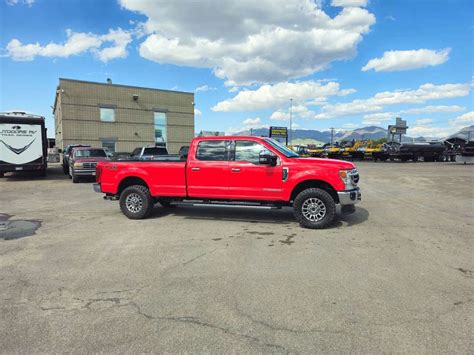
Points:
x=130 y=181
x=319 y=184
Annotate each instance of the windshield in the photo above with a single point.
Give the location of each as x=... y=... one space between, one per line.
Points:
x=90 y=153
x=287 y=152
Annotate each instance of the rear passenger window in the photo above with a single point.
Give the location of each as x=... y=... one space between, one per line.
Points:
x=212 y=150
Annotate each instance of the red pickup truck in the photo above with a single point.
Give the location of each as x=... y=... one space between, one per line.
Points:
x=234 y=170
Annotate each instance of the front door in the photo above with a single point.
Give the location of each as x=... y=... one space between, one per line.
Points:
x=207 y=174
x=249 y=180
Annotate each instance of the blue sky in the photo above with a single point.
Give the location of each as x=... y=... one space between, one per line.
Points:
x=345 y=63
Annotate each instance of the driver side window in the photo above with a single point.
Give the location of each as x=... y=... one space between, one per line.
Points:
x=248 y=151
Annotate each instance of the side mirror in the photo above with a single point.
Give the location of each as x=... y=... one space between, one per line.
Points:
x=267 y=158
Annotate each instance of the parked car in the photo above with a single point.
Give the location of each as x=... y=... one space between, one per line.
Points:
x=235 y=170
x=121 y=156
x=67 y=153
x=83 y=161
x=149 y=152
x=183 y=152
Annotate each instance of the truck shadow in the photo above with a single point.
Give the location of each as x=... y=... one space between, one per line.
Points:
x=52 y=173
x=282 y=216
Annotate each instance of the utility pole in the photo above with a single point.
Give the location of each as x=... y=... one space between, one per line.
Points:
x=332 y=135
x=251 y=131
x=291 y=119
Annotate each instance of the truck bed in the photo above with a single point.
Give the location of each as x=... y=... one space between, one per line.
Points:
x=165 y=176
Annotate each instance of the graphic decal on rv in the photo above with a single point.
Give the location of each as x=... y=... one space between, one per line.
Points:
x=18 y=150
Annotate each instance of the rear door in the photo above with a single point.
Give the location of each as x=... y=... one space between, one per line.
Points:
x=249 y=180
x=207 y=173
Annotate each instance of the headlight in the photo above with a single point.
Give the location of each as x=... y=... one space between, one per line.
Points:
x=350 y=178
x=78 y=165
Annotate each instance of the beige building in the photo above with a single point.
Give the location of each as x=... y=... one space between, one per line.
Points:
x=121 y=117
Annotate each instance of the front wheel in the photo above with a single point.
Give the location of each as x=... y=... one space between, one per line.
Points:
x=136 y=202
x=314 y=208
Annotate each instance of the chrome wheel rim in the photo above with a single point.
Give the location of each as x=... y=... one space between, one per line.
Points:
x=313 y=209
x=134 y=203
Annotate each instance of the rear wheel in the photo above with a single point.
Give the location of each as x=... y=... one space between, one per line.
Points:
x=65 y=169
x=314 y=208
x=2 y=175
x=136 y=202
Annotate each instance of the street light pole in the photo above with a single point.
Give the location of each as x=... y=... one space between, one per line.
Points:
x=291 y=119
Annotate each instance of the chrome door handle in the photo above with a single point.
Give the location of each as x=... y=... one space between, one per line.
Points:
x=195 y=169
x=235 y=170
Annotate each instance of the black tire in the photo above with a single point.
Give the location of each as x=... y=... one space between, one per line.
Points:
x=65 y=169
x=323 y=197
x=140 y=204
x=42 y=173
x=75 y=179
x=2 y=175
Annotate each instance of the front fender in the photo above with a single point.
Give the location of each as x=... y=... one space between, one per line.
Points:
x=323 y=174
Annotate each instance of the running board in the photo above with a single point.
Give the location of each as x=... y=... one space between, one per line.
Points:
x=230 y=205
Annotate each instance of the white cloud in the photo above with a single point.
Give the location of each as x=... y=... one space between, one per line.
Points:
x=423 y=121
x=252 y=122
x=249 y=42
x=465 y=119
x=349 y=126
x=29 y=3
x=429 y=131
x=105 y=47
x=197 y=112
x=433 y=109
x=407 y=60
x=280 y=116
x=349 y=3
x=278 y=95
x=204 y=88
x=247 y=124
x=376 y=103
x=377 y=118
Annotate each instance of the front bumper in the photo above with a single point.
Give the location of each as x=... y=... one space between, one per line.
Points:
x=84 y=172
x=349 y=197
x=96 y=187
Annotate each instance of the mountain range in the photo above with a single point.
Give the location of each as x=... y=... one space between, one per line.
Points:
x=309 y=136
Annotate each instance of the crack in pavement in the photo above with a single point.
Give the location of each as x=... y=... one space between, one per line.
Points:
x=198 y=322
x=285 y=329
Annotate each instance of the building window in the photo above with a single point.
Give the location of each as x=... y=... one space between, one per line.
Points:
x=107 y=114
x=108 y=144
x=160 y=127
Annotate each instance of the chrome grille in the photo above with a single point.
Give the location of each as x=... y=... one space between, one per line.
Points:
x=354 y=177
x=89 y=165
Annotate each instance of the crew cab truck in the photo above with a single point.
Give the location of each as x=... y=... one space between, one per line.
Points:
x=234 y=170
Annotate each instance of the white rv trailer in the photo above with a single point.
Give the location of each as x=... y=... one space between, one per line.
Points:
x=23 y=143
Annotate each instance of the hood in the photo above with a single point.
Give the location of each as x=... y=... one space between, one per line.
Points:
x=330 y=163
x=92 y=159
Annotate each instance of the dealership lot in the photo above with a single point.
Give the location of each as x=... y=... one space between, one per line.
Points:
x=77 y=275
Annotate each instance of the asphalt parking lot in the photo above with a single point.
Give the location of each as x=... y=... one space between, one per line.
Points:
x=76 y=275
